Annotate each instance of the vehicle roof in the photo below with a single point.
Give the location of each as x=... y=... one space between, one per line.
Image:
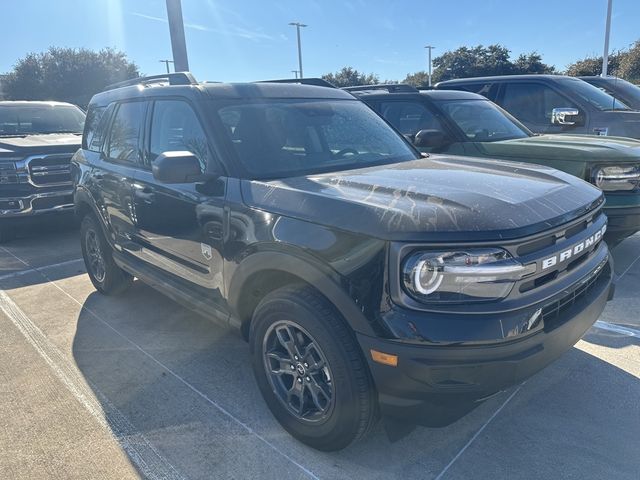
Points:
x=216 y=90
x=33 y=103
x=505 y=77
x=431 y=94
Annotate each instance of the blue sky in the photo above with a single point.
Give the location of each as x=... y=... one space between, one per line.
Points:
x=250 y=39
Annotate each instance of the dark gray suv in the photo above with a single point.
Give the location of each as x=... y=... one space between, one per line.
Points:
x=555 y=104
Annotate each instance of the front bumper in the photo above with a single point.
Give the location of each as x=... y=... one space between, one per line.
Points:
x=59 y=201
x=434 y=385
x=623 y=222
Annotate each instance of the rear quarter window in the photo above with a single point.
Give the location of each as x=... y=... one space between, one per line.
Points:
x=94 y=129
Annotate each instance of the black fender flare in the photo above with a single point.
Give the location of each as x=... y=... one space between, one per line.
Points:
x=321 y=277
x=83 y=197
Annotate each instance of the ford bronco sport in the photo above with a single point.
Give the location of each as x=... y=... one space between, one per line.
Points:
x=37 y=140
x=367 y=279
x=464 y=123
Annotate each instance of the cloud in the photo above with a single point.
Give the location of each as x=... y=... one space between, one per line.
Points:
x=232 y=30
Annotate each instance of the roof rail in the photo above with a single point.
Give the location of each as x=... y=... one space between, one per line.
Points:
x=389 y=87
x=318 y=82
x=178 y=78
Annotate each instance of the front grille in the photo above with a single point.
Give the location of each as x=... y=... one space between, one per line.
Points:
x=552 y=313
x=50 y=170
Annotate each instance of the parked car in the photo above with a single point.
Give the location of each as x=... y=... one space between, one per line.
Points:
x=37 y=140
x=626 y=92
x=555 y=104
x=365 y=277
x=463 y=123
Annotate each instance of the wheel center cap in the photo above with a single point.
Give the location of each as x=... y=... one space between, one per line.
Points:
x=300 y=369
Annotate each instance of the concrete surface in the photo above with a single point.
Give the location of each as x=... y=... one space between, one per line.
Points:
x=137 y=386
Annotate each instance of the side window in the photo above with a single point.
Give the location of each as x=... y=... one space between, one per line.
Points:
x=532 y=102
x=175 y=127
x=124 y=144
x=410 y=117
x=483 y=88
x=95 y=127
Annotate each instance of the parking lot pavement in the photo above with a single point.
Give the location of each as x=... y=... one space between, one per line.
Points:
x=138 y=386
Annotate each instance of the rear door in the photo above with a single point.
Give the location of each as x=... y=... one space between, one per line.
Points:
x=179 y=227
x=115 y=170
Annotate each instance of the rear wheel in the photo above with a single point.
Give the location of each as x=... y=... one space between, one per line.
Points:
x=105 y=275
x=310 y=369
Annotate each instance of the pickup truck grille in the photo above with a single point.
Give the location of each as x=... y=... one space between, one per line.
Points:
x=50 y=170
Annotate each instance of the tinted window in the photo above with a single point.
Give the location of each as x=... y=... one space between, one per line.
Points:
x=27 y=119
x=282 y=138
x=125 y=132
x=175 y=127
x=593 y=95
x=482 y=120
x=410 y=117
x=92 y=139
x=481 y=88
x=533 y=102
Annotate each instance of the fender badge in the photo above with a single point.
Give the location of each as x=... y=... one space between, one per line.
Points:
x=206 y=251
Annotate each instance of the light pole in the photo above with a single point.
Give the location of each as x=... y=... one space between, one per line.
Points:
x=295 y=72
x=298 y=25
x=429 y=47
x=607 y=31
x=166 y=62
x=176 y=31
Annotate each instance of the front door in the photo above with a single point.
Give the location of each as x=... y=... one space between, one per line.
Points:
x=179 y=227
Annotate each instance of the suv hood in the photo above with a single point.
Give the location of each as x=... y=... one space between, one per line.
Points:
x=46 y=143
x=578 y=148
x=441 y=198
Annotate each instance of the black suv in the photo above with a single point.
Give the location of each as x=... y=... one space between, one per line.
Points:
x=37 y=140
x=367 y=278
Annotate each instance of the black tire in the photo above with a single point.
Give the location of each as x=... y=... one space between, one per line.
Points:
x=328 y=424
x=105 y=275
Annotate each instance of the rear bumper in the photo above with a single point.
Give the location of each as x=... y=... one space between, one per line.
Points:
x=435 y=385
x=59 y=201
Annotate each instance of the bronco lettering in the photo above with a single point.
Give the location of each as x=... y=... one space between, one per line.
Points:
x=575 y=250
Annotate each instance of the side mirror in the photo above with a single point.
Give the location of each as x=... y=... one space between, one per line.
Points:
x=431 y=139
x=178 y=167
x=565 y=116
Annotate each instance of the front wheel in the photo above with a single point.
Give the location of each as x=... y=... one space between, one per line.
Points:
x=310 y=369
x=105 y=275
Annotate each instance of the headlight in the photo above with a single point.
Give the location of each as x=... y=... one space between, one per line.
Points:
x=616 y=178
x=461 y=276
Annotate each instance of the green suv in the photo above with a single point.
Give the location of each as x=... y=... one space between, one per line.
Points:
x=464 y=123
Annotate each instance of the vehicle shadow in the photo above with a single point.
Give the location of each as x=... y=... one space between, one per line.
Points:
x=186 y=386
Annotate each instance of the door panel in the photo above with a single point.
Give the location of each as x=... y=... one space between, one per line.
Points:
x=179 y=227
x=116 y=170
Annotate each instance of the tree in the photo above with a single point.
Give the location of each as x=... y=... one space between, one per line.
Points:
x=531 y=63
x=481 y=61
x=67 y=74
x=417 y=79
x=350 y=77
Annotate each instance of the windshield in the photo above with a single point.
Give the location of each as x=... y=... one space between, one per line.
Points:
x=29 y=120
x=594 y=96
x=283 y=138
x=621 y=89
x=482 y=121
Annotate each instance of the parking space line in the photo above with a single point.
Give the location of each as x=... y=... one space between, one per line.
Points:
x=612 y=327
x=32 y=269
x=629 y=268
x=150 y=462
x=202 y=395
x=480 y=430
